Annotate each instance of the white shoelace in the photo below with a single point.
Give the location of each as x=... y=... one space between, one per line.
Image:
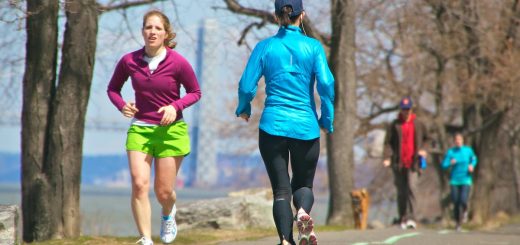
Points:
x=169 y=225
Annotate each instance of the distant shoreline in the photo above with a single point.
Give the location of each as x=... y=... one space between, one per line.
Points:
x=106 y=210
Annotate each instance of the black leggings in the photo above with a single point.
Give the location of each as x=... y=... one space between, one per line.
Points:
x=275 y=151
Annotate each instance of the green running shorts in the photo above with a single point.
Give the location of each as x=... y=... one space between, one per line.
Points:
x=159 y=141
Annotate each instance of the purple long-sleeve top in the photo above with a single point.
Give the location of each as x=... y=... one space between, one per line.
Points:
x=157 y=89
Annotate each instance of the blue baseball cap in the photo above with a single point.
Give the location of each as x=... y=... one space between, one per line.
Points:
x=296 y=5
x=406 y=103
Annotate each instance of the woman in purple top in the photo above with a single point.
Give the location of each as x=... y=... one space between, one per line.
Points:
x=157 y=130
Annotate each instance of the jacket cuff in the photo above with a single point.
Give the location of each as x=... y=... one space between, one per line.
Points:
x=176 y=106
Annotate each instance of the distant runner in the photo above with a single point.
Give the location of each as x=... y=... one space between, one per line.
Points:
x=462 y=161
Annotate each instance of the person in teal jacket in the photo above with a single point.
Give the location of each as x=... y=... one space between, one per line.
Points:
x=462 y=161
x=292 y=65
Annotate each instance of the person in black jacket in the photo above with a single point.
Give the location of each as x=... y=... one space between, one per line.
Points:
x=405 y=142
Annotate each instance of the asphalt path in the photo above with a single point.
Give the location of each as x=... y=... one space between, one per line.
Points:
x=507 y=235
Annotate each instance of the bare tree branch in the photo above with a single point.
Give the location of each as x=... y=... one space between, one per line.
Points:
x=365 y=124
x=125 y=4
x=248 y=28
x=310 y=29
x=178 y=21
x=494 y=117
x=381 y=111
x=513 y=26
x=365 y=128
x=235 y=7
x=12 y=12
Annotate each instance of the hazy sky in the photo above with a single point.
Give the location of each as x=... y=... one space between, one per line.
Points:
x=119 y=33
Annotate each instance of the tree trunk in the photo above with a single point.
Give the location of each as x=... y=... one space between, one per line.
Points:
x=340 y=144
x=53 y=117
x=485 y=176
x=515 y=157
x=39 y=212
x=67 y=122
x=479 y=118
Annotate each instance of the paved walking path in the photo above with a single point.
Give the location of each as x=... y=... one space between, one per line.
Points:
x=508 y=235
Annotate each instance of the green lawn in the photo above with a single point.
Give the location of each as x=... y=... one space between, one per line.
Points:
x=187 y=237
x=199 y=237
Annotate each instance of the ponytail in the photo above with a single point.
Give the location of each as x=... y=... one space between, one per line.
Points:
x=285 y=16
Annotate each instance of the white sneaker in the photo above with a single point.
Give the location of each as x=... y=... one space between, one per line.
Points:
x=309 y=239
x=169 y=227
x=411 y=224
x=465 y=217
x=305 y=225
x=403 y=225
x=458 y=228
x=144 y=241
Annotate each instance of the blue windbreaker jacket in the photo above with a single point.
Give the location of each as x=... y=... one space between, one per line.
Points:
x=464 y=156
x=291 y=64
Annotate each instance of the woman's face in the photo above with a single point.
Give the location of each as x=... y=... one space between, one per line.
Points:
x=459 y=140
x=153 y=32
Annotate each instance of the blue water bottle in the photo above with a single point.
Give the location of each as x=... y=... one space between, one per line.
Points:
x=422 y=162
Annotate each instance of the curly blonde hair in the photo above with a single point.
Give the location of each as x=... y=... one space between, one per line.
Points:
x=170 y=35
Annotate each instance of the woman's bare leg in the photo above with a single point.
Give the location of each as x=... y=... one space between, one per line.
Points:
x=140 y=167
x=166 y=170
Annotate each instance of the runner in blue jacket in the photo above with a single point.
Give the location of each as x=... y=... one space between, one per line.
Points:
x=462 y=161
x=292 y=65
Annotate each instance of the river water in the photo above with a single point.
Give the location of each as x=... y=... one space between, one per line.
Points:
x=107 y=211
